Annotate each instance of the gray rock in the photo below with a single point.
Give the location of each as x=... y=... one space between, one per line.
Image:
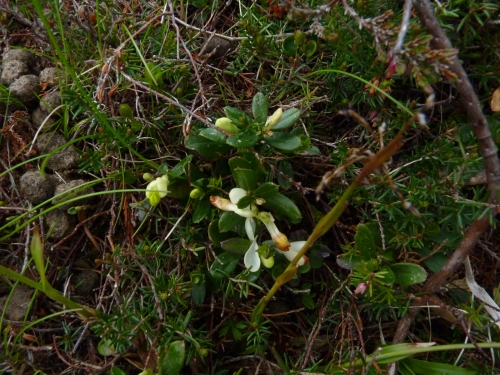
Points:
x=38 y=116
x=50 y=101
x=60 y=194
x=36 y=188
x=20 y=55
x=59 y=224
x=85 y=282
x=25 y=88
x=64 y=159
x=12 y=70
x=19 y=303
x=48 y=76
x=216 y=47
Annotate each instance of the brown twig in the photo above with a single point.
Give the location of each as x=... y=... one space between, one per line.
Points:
x=488 y=150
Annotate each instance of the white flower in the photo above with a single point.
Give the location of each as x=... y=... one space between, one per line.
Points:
x=157 y=189
x=231 y=205
x=251 y=259
x=279 y=239
x=293 y=250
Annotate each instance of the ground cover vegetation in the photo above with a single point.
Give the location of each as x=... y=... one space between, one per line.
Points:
x=233 y=187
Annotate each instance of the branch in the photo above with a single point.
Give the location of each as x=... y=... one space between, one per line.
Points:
x=488 y=150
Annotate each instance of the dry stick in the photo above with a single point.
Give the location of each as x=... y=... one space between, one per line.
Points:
x=488 y=150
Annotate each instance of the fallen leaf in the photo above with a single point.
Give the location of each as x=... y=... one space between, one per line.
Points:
x=495 y=100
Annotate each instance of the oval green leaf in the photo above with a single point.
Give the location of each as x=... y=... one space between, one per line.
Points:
x=408 y=273
x=205 y=147
x=289 y=46
x=365 y=242
x=283 y=206
x=259 y=108
x=172 y=359
x=198 y=293
x=215 y=235
x=288 y=119
x=236 y=245
x=243 y=140
x=224 y=265
x=349 y=262
x=284 y=141
x=245 y=178
x=214 y=135
x=238 y=117
x=266 y=190
x=228 y=220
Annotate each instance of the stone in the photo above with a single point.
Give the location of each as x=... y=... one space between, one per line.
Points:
x=38 y=116
x=60 y=194
x=12 y=70
x=59 y=224
x=84 y=282
x=216 y=47
x=64 y=159
x=36 y=188
x=20 y=55
x=25 y=88
x=48 y=76
x=19 y=303
x=50 y=101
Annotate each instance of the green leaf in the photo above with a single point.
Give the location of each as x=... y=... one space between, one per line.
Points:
x=215 y=235
x=236 y=245
x=284 y=141
x=349 y=262
x=116 y=371
x=408 y=273
x=198 y=293
x=286 y=168
x=365 y=242
x=36 y=250
x=288 y=119
x=172 y=359
x=245 y=178
x=125 y=111
x=228 y=220
x=283 y=206
x=247 y=159
x=243 y=140
x=238 y=117
x=309 y=48
x=106 y=348
x=289 y=46
x=224 y=265
x=244 y=202
x=213 y=135
x=259 y=108
x=420 y=367
x=179 y=188
x=308 y=301
x=201 y=209
x=266 y=190
x=205 y=147
x=385 y=275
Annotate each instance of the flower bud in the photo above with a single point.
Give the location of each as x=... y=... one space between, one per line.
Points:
x=148 y=177
x=227 y=125
x=196 y=193
x=274 y=118
x=267 y=262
